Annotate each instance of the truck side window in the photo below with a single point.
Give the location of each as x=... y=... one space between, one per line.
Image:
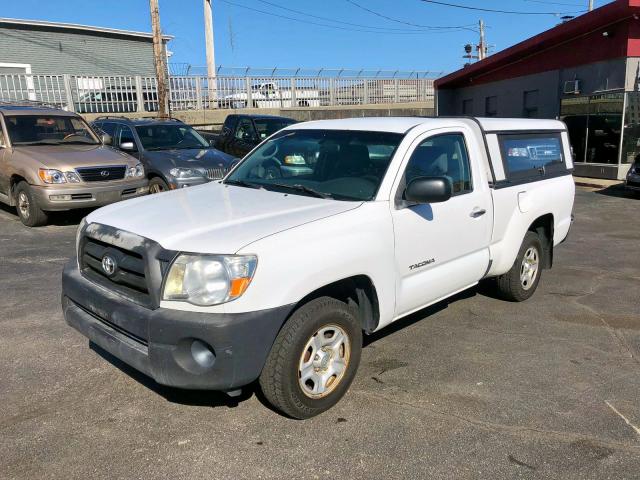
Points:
x=245 y=130
x=442 y=156
x=532 y=155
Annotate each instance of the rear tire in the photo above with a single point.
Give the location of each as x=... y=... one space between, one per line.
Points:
x=158 y=185
x=27 y=206
x=314 y=359
x=521 y=282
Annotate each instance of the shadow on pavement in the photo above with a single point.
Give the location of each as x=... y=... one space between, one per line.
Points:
x=194 y=398
x=59 y=219
x=619 y=191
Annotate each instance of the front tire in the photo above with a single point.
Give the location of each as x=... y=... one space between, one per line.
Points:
x=521 y=282
x=27 y=206
x=158 y=185
x=314 y=359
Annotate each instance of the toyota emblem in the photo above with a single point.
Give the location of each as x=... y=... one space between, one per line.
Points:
x=109 y=265
x=105 y=173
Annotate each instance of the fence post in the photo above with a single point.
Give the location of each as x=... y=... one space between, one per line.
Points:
x=397 y=90
x=294 y=103
x=332 y=91
x=199 y=93
x=68 y=92
x=365 y=92
x=139 y=94
x=248 y=87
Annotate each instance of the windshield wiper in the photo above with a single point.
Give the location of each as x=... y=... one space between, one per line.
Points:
x=37 y=142
x=242 y=183
x=302 y=188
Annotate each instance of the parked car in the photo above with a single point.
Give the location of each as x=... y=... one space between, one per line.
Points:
x=241 y=133
x=632 y=181
x=51 y=160
x=174 y=155
x=276 y=279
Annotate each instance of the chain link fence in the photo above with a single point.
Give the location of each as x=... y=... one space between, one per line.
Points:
x=138 y=94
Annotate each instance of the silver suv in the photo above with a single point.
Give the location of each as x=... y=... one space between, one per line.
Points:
x=51 y=160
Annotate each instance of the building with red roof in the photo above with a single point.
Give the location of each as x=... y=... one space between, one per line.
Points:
x=585 y=72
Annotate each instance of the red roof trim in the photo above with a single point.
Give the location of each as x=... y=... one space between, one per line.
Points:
x=580 y=26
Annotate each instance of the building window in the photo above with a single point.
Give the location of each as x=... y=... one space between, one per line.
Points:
x=530 y=104
x=467 y=107
x=491 y=106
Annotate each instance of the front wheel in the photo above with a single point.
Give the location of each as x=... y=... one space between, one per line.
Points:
x=520 y=283
x=158 y=185
x=27 y=206
x=313 y=359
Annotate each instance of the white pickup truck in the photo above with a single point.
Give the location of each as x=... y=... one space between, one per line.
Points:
x=273 y=276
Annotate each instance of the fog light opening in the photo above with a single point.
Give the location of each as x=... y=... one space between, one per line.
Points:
x=202 y=354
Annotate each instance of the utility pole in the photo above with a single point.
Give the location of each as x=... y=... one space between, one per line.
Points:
x=211 y=58
x=482 y=47
x=590 y=5
x=159 y=59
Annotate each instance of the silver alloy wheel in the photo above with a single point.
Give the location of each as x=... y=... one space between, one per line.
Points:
x=156 y=188
x=23 y=204
x=324 y=361
x=529 y=268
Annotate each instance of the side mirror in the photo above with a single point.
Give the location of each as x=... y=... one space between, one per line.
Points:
x=428 y=190
x=128 y=146
x=106 y=139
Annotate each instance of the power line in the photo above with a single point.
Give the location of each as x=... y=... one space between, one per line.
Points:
x=309 y=22
x=554 y=3
x=381 y=15
x=490 y=10
x=340 y=21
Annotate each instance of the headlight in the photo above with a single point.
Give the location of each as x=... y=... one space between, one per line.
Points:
x=51 y=176
x=72 y=177
x=137 y=171
x=209 y=279
x=188 y=173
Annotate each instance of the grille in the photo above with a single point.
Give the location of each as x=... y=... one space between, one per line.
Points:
x=216 y=173
x=102 y=174
x=129 y=273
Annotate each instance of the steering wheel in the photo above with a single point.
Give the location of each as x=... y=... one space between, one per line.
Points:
x=270 y=151
x=272 y=170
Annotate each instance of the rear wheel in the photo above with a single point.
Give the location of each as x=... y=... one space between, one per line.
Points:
x=29 y=212
x=521 y=282
x=314 y=359
x=158 y=185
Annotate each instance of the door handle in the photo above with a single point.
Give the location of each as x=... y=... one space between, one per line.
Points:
x=477 y=212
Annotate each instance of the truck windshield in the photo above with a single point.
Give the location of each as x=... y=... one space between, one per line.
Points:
x=170 y=137
x=268 y=126
x=48 y=130
x=337 y=164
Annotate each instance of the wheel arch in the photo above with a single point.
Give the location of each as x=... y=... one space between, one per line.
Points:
x=544 y=227
x=357 y=291
x=14 y=180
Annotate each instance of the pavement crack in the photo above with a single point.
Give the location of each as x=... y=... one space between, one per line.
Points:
x=626 y=420
x=501 y=428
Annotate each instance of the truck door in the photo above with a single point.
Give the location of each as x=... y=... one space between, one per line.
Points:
x=441 y=248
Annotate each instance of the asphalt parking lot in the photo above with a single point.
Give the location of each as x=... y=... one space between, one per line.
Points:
x=472 y=388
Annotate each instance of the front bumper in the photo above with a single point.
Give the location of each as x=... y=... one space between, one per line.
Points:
x=633 y=182
x=51 y=198
x=162 y=346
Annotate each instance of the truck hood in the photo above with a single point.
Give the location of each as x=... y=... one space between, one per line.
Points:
x=205 y=158
x=69 y=157
x=215 y=218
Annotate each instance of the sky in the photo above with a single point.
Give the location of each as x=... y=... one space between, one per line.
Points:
x=332 y=34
